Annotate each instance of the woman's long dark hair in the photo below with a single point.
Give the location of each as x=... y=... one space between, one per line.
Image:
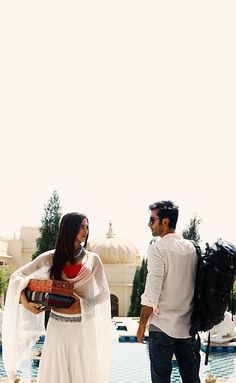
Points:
x=64 y=252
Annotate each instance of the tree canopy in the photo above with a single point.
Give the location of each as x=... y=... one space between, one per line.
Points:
x=192 y=231
x=138 y=289
x=4 y=278
x=50 y=225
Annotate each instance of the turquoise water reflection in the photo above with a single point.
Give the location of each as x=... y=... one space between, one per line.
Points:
x=130 y=364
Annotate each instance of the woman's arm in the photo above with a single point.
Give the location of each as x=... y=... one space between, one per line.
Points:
x=34 y=308
x=75 y=308
x=21 y=277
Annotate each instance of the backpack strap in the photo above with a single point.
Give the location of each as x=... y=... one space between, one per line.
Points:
x=208 y=348
x=197 y=247
x=197 y=353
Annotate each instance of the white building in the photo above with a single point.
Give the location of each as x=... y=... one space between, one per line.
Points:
x=120 y=259
x=17 y=252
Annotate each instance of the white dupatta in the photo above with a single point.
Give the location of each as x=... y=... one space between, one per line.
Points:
x=21 y=329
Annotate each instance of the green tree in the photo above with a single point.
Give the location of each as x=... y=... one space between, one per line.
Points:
x=192 y=231
x=134 y=292
x=4 y=278
x=50 y=225
x=138 y=289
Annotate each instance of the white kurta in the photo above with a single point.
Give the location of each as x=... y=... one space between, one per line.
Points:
x=75 y=350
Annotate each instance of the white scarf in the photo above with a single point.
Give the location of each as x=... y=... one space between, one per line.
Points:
x=21 y=328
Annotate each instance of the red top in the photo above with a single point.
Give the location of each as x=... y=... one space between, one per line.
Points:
x=72 y=270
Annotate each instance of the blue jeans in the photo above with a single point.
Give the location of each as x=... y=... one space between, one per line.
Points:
x=161 y=350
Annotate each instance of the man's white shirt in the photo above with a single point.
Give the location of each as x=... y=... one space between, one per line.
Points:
x=172 y=264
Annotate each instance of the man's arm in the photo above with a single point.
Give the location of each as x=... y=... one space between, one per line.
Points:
x=146 y=311
x=150 y=297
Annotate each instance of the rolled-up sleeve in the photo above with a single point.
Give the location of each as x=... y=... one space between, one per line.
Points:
x=156 y=271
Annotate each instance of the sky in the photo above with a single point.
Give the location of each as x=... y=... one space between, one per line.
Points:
x=115 y=105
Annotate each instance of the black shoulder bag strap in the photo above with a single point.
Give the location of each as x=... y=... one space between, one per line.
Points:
x=199 y=254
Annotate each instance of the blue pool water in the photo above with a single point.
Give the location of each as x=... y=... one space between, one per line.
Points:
x=130 y=364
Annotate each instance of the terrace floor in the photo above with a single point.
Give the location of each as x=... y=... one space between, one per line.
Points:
x=130 y=361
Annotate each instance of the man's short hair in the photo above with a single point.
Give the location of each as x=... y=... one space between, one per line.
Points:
x=166 y=209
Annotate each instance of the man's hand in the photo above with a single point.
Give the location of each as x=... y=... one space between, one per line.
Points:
x=146 y=311
x=140 y=333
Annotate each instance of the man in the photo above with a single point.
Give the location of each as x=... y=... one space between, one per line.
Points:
x=168 y=297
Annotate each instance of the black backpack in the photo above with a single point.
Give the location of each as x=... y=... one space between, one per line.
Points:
x=214 y=282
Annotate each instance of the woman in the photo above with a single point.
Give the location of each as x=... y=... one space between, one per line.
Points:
x=77 y=343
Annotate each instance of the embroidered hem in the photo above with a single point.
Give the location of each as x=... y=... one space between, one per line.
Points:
x=68 y=319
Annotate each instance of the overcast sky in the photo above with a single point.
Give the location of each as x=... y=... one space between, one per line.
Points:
x=116 y=104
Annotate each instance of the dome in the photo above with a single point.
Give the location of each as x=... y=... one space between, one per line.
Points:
x=113 y=249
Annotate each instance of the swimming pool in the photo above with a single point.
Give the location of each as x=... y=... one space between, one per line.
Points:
x=130 y=364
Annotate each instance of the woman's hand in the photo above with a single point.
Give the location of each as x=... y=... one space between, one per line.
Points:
x=75 y=308
x=34 y=308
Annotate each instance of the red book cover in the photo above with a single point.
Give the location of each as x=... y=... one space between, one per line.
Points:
x=51 y=286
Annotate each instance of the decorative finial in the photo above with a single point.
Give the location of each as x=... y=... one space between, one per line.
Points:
x=110 y=233
x=210 y=378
